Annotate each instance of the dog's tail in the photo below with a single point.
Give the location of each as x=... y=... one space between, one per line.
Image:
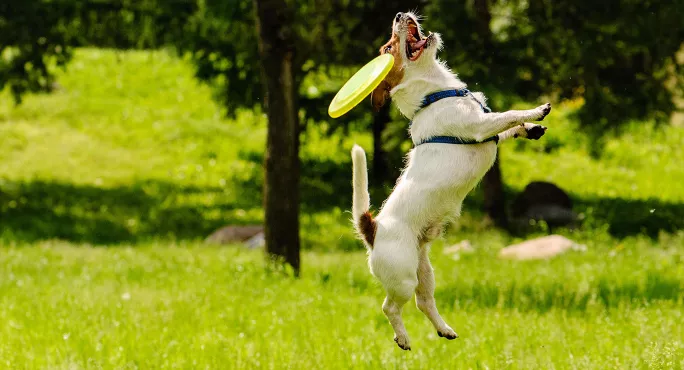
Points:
x=363 y=220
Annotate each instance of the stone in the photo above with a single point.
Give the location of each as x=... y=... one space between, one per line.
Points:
x=257 y=241
x=540 y=248
x=235 y=234
x=462 y=247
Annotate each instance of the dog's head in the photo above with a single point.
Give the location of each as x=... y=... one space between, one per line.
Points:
x=410 y=48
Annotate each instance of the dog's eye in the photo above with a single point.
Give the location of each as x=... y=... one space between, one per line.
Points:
x=388 y=49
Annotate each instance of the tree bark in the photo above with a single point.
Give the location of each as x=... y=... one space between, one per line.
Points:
x=380 y=165
x=483 y=17
x=281 y=182
x=494 y=198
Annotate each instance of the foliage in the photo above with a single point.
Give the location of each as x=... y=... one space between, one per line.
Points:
x=221 y=38
x=37 y=35
x=32 y=36
x=469 y=47
x=126 y=24
x=618 y=55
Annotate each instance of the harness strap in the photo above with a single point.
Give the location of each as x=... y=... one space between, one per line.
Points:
x=456 y=140
x=439 y=95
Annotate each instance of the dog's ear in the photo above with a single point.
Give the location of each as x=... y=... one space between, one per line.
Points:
x=380 y=95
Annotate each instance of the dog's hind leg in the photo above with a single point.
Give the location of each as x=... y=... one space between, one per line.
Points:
x=395 y=264
x=392 y=307
x=425 y=299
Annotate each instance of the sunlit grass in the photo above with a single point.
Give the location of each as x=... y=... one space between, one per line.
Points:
x=161 y=306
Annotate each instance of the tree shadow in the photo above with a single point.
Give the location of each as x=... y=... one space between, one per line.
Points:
x=326 y=184
x=627 y=217
x=39 y=210
x=624 y=217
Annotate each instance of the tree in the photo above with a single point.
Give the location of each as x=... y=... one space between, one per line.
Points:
x=602 y=51
x=617 y=54
x=473 y=52
x=37 y=35
x=32 y=36
x=294 y=40
x=380 y=164
x=281 y=188
x=494 y=196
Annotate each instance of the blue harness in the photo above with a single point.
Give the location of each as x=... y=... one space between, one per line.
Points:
x=437 y=96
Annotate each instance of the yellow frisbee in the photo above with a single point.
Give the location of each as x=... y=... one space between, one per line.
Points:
x=360 y=85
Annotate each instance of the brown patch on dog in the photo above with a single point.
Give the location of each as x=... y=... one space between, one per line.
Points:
x=381 y=94
x=368 y=227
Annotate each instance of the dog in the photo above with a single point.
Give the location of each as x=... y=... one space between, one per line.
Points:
x=456 y=138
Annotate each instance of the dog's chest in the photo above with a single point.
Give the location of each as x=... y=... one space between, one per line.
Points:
x=407 y=101
x=449 y=165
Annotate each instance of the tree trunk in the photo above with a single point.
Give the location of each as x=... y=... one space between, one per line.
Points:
x=494 y=198
x=483 y=19
x=281 y=183
x=380 y=165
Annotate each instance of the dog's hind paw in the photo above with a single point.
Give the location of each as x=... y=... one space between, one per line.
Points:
x=403 y=343
x=449 y=333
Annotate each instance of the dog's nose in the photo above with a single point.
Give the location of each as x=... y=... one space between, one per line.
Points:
x=397 y=17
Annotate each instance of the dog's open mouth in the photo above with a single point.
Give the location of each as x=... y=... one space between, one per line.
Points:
x=415 y=43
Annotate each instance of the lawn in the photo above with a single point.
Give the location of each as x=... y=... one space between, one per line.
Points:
x=109 y=184
x=189 y=306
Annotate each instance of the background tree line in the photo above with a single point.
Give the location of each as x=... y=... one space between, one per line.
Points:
x=603 y=52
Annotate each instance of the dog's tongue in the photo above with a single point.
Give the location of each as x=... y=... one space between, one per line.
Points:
x=418 y=44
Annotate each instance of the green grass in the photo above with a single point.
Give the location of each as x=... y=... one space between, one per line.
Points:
x=186 y=306
x=107 y=185
x=132 y=149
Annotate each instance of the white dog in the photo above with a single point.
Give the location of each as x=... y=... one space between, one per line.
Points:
x=455 y=137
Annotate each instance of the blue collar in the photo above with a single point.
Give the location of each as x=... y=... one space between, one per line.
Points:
x=439 y=95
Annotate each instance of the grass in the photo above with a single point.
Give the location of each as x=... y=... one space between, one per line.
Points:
x=132 y=149
x=188 y=306
x=108 y=184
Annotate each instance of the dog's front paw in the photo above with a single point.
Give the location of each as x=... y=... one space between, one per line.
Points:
x=447 y=333
x=544 y=111
x=403 y=343
x=534 y=131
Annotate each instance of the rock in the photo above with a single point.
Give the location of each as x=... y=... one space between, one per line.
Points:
x=543 y=201
x=233 y=234
x=55 y=87
x=257 y=241
x=462 y=247
x=540 y=248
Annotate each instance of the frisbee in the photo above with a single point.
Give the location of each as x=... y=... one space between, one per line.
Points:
x=360 y=85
